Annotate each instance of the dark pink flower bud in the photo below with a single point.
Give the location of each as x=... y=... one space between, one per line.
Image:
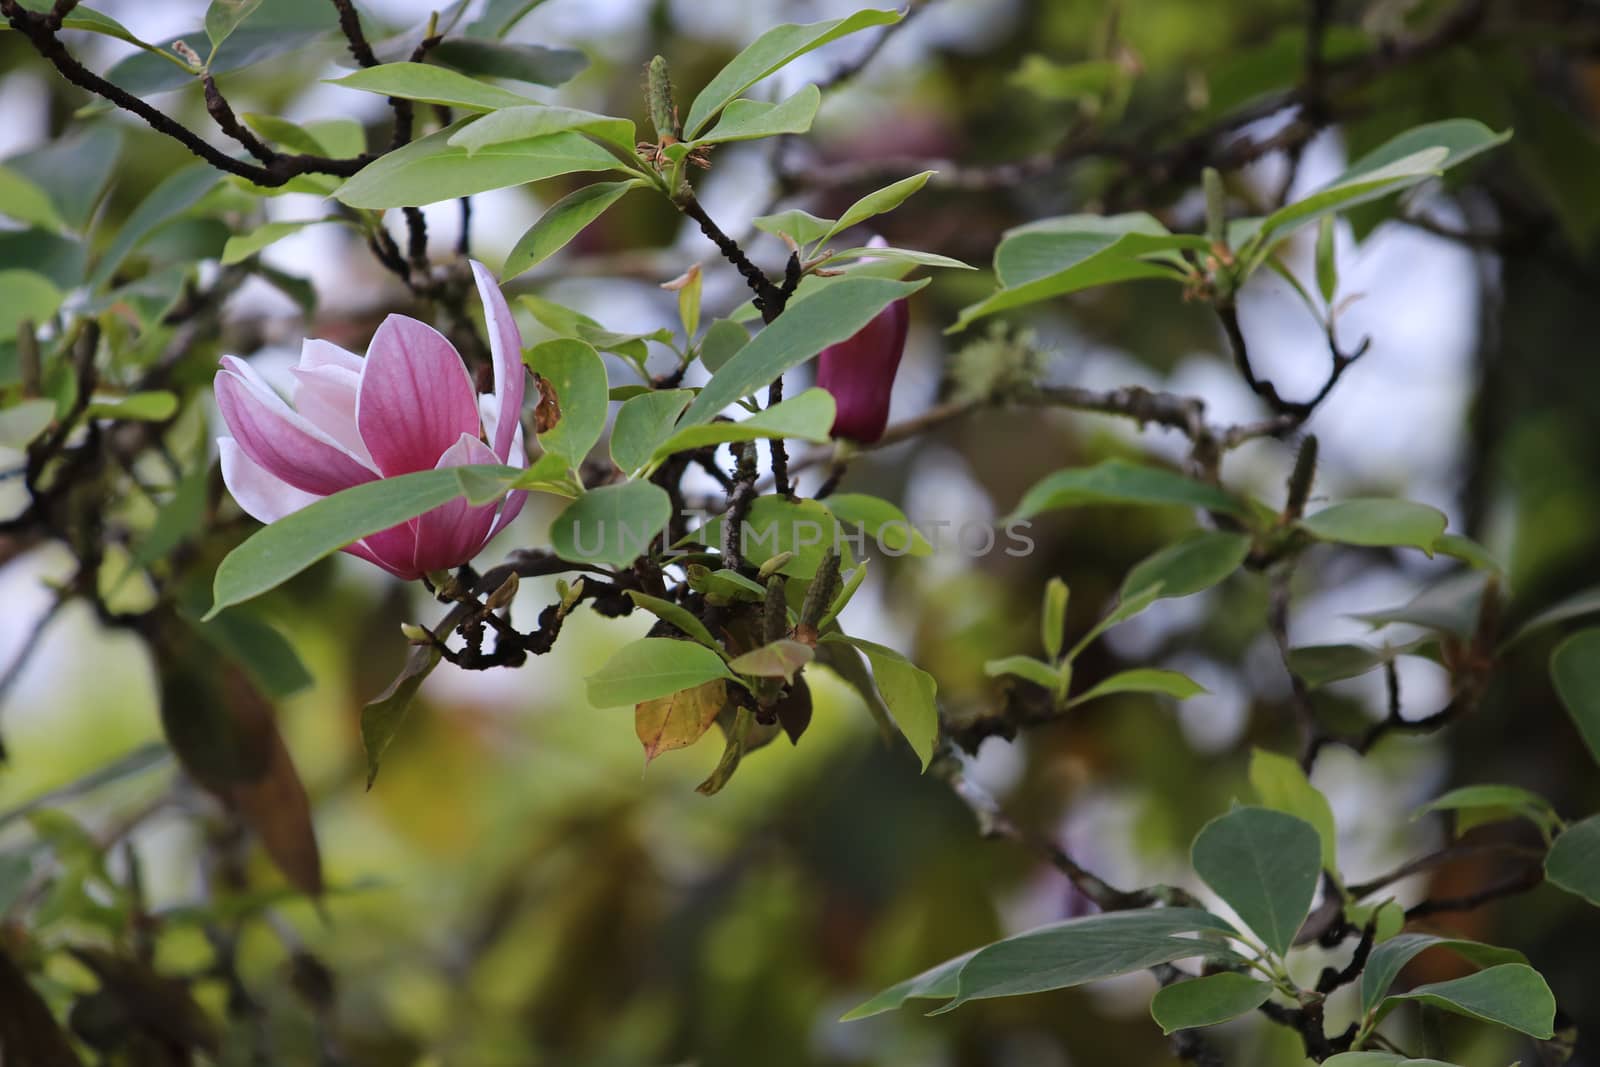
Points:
x=859 y=372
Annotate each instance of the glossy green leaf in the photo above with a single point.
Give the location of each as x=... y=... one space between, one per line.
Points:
x=723 y=340
x=1206 y=1001
x=281 y=550
x=74 y=171
x=264 y=653
x=1574 y=860
x=905 y=255
x=177 y=193
x=1036 y=671
x=1265 y=865
x=803 y=226
x=1143 y=680
x=677 y=615
x=157 y=405
x=747 y=120
x=772 y=50
x=539 y=120
x=777 y=659
x=381 y=719
x=805 y=328
x=1281 y=785
x=1116 y=481
x=1318 y=665
x=643 y=423
x=499 y=16
x=23 y=200
x=276 y=29
x=1512 y=995
x=565 y=219
x=909 y=692
x=1054 y=257
x=1078 y=951
x=614 y=524
x=807 y=417
x=1196 y=563
x=1575 y=670
x=578 y=375
x=1378 y=522
x=805 y=529
x=433 y=85
x=534 y=63
x=864 y=516
x=1389 y=958
x=224 y=16
x=26 y=297
x=22 y=423
x=653 y=667
x=430 y=169
x=243 y=246
x=936 y=983
x=1476 y=805
x=878 y=203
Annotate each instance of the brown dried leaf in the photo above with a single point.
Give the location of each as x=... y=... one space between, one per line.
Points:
x=679 y=720
x=548 y=411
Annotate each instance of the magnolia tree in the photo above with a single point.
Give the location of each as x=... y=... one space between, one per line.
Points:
x=698 y=476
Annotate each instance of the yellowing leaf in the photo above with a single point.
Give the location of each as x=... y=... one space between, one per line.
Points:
x=679 y=720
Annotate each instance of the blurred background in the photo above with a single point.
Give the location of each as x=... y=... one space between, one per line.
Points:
x=517 y=888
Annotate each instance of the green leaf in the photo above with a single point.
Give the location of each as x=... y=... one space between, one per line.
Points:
x=281 y=550
x=908 y=691
x=1380 y=1059
x=773 y=526
x=1196 y=563
x=778 y=659
x=499 y=16
x=747 y=120
x=678 y=616
x=177 y=193
x=1317 y=665
x=1512 y=995
x=224 y=16
x=429 y=170
x=807 y=417
x=1574 y=860
x=1143 y=680
x=1449 y=606
x=25 y=297
x=1265 y=865
x=653 y=667
x=1026 y=667
x=263 y=652
x=433 y=85
x=904 y=255
x=614 y=524
x=73 y=171
x=1064 y=255
x=1573 y=607
x=725 y=584
x=1389 y=959
x=805 y=328
x=642 y=423
x=1327 y=266
x=936 y=983
x=22 y=423
x=723 y=340
x=1379 y=523
x=772 y=50
x=539 y=120
x=1053 y=617
x=1575 y=670
x=1077 y=951
x=803 y=226
x=521 y=62
x=1476 y=805
x=243 y=246
x=1126 y=608
x=275 y=29
x=578 y=375
x=870 y=516
x=878 y=203
x=1116 y=481
x=25 y=201
x=1206 y=1001
x=1281 y=785
x=154 y=406
x=381 y=719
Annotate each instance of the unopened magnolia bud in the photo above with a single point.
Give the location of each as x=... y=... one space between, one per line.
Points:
x=570 y=597
x=775 y=614
x=417 y=635
x=822 y=590
x=658 y=91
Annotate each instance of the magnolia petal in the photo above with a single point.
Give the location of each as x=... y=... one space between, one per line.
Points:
x=278 y=438
x=860 y=371
x=326 y=396
x=514 y=501
x=451 y=534
x=510 y=380
x=315 y=353
x=415 y=399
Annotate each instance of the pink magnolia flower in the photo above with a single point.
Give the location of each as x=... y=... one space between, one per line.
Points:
x=860 y=370
x=410 y=405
